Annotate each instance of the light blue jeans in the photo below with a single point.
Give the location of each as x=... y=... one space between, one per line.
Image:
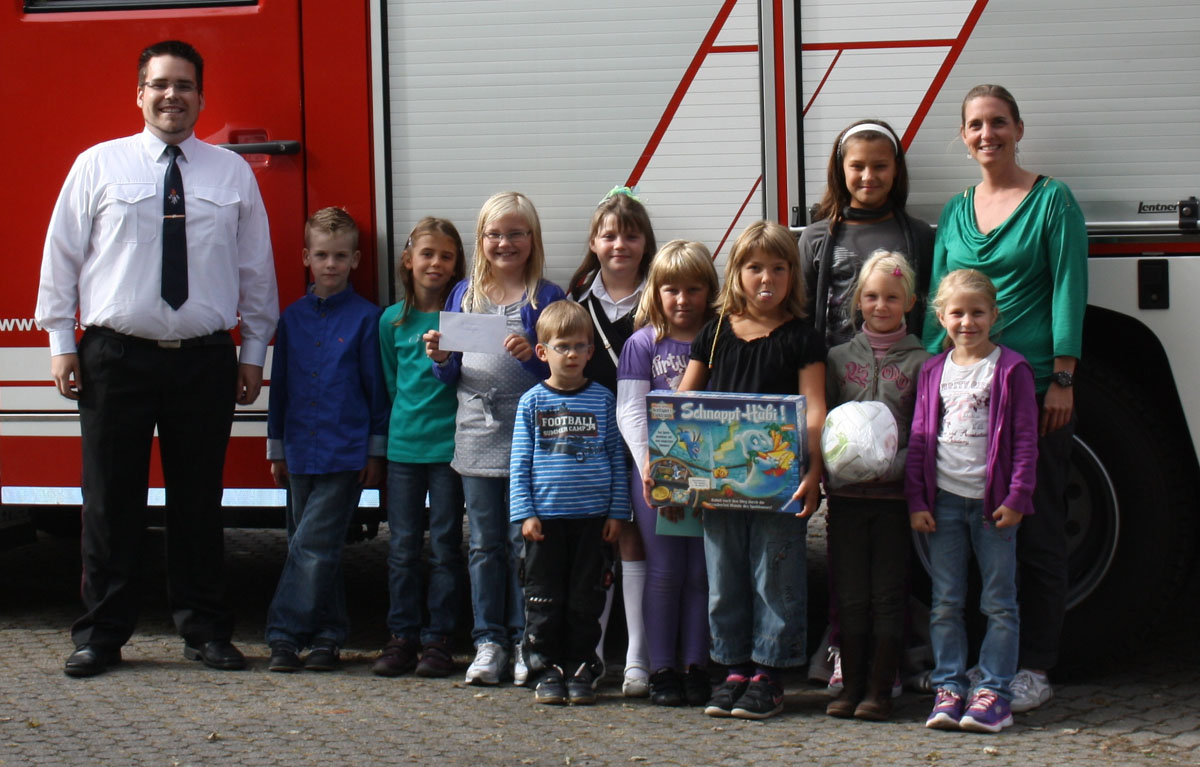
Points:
x=757 y=587
x=494 y=561
x=310 y=602
x=962 y=529
x=407 y=485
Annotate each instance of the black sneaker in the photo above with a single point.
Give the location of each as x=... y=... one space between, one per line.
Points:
x=697 y=686
x=436 y=660
x=322 y=657
x=399 y=656
x=551 y=689
x=724 y=697
x=581 y=687
x=666 y=688
x=284 y=658
x=761 y=700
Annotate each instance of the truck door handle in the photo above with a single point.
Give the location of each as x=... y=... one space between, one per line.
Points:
x=265 y=147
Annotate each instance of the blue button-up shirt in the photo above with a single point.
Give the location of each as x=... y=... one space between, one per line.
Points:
x=328 y=407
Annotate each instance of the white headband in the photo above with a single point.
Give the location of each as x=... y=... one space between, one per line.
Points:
x=868 y=127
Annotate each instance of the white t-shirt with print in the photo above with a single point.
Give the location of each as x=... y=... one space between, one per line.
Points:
x=966 y=393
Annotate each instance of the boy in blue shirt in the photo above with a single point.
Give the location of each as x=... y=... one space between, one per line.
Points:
x=326 y=438
x=568 y=487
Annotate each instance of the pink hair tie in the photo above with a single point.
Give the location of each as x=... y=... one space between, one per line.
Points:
x=897 y=273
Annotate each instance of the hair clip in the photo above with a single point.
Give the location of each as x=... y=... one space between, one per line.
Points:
x=897 y=273
x=630 y=193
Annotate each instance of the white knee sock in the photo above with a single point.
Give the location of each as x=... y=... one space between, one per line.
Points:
x=633 y=581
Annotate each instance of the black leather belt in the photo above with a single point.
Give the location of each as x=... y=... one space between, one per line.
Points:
x=220 y=338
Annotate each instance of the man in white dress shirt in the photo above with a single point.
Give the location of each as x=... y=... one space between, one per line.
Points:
x=159 y=243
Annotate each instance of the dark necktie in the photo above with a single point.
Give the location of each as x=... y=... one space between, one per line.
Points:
x=174 y=249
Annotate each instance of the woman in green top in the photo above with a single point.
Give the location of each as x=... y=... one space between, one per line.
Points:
x=1026 y=232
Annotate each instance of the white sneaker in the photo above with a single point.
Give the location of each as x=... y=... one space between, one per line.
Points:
x=490 y=658
x=520 y=667
x=636 y=683
x=835 y=678
x=1030 y=690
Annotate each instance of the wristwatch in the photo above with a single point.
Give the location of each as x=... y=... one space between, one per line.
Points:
x=1063 y=378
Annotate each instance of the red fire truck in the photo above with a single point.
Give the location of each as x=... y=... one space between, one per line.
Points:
x=720 y=112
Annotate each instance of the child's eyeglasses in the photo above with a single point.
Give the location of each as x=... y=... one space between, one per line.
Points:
x=565 y=349
x=514 y=237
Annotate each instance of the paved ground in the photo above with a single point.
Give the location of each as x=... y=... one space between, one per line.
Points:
x=159 y=709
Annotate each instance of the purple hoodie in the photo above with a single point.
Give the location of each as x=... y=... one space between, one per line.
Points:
x=1012 y=437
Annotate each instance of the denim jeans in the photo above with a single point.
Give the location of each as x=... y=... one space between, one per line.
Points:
x=310 y=601
x=407 y=484
x=961 y=529
x=494 y=561
x=757 y=587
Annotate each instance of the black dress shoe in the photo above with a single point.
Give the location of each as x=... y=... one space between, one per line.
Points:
x=217 y=653
x=90 y=660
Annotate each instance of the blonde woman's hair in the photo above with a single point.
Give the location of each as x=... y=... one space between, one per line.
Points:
x=883 y=261
x=679 y=261
x=498 y=205
x=772 y=239
x=964 y=281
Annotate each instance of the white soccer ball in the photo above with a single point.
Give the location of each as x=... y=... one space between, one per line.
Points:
x=859 y=442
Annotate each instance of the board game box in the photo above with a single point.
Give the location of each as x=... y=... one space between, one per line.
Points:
x=734 y=452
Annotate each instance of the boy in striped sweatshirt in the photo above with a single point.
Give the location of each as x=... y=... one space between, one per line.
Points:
x=568 y=489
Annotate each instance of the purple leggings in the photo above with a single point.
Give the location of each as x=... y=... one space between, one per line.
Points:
x=675 y=601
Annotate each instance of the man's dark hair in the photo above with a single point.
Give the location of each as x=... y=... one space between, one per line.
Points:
x=176 y=48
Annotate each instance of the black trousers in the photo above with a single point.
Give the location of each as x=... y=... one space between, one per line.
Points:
x=564 y=593
x=1042 y=553
x=130 y=387
x=869 y=541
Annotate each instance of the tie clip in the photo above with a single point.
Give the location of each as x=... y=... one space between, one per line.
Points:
x=176 y=215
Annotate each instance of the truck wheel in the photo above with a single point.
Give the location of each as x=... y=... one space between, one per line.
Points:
x=1131 y=522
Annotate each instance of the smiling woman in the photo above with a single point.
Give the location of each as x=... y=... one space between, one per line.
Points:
x=1025 y=231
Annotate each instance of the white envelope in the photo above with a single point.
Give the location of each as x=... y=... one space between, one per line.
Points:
x=469 y=332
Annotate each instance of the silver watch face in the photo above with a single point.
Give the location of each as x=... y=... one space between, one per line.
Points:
x=1062 y=378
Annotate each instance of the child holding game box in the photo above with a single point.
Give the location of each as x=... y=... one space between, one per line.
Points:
x=757 y=561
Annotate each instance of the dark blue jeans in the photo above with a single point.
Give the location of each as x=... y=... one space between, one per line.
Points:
x=407 y=484
x=496 y=548
x=310 y=602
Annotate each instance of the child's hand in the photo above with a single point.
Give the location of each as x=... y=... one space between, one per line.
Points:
x=518 y=346
x=922 y=522
x=372 y=474
x=279 y=473
x=671 y=513
x=1006 y=517
x=647 y=485
x=432 y=339
x=809 y=493
x=612 y=530
x=531 y=529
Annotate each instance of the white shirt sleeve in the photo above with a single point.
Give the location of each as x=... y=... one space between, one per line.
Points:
x=631 y=417
x=258 y=297
x=62 y=260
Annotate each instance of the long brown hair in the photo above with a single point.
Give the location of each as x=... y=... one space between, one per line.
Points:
x=404 y=272
x=631 y=217
x=837 y=196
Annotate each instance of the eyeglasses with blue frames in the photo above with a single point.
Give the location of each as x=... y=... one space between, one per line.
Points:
x=565 y=349
x=516 y=238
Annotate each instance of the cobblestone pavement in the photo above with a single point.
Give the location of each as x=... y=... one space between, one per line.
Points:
x=159 y=709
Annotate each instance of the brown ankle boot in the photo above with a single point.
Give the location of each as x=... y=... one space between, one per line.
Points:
x=877 y=705
x=853 y=656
